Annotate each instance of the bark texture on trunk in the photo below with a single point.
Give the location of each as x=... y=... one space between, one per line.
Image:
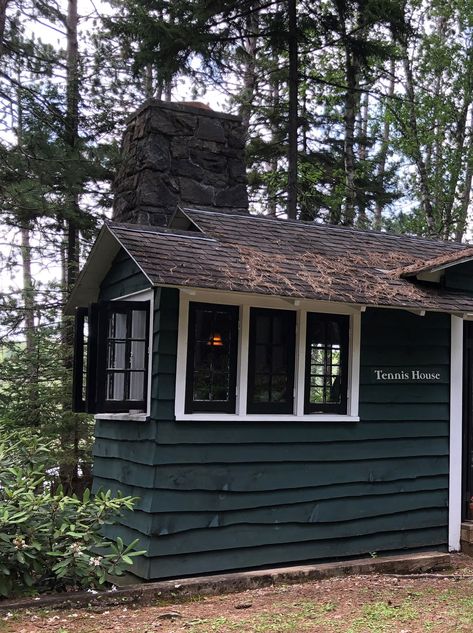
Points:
x=293 y=115
x=69 y=470
x=383 y=153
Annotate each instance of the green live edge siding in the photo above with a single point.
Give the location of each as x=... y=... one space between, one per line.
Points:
x=226 y=495
x=123 y=278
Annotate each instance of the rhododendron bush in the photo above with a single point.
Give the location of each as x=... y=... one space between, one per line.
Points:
x=50 y=540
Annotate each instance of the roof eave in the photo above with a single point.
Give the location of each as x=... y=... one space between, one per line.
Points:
x=434 y=269
x=100 y=259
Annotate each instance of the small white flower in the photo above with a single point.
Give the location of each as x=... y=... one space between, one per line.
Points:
x=19 y=543
x=95 y=561
x=75 y=548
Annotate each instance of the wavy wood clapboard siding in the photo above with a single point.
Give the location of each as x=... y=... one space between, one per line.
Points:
x=123 y=278
x=219 y=501
x=217 y=496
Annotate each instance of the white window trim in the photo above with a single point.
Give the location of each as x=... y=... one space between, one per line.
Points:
x=301 y=307
x=456 y=434
x=140 y=295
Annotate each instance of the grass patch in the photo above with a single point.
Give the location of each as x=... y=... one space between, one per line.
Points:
x=300 y=616
x=381 y=616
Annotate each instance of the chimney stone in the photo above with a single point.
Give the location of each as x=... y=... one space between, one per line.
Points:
x=179 y=154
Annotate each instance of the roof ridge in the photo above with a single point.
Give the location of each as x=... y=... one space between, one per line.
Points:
x=158 y=230
x=325 y=226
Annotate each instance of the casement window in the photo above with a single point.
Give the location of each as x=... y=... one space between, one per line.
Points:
x=266 y=363
x=326 y=369
x=111 y=357
x=271 y=355
x=212 y=358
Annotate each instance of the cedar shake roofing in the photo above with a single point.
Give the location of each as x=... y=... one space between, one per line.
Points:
x=443 y=261
x=255 y=254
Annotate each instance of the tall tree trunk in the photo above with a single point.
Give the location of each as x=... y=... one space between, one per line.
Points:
x=28 y=295
x=249 y=71
x=3 y=22
x=461 y=154
x=466 y=194
x=293 y=83
x=276 y=140
x=30 y=329
x=412 y=132
x=362 y=156
x=351 y=107
x=149 y=82
x=383 y=153
x=69 y=470
x=71 y=138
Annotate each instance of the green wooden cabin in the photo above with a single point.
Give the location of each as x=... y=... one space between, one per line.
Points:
x=273 y=391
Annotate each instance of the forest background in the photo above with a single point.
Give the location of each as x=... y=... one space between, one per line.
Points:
x=356 y=112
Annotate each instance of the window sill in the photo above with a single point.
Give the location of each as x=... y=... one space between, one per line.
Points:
x=130 y=417
x=234 y=417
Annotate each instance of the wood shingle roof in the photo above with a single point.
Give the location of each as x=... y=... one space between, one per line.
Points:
x=261 y=255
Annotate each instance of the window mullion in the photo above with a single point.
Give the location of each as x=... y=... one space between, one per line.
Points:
x=243 y=359
x=301 y=352
x=127 y=374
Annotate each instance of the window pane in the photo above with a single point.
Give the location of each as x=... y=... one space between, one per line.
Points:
x=262 y=388
x=263 y=330
x=201 y=386
x=117 y=325
x=262 y=358
x=115 y=386
x=137 y=355
x=327 y=341
x=137 y=385
x=271 y=360
x=279 y=388
x=211 y=370
x=116 y=355
x=138 y=324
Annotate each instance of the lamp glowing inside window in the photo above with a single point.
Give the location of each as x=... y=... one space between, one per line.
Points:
x=215 y=340
x=211 y=369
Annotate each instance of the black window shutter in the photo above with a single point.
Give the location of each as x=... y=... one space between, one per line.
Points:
x=92 y=358
x=79 y=401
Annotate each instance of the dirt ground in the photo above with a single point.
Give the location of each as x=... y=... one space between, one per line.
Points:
x=356 y=604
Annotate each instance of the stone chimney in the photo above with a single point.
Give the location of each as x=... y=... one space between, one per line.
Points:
x=179 y=154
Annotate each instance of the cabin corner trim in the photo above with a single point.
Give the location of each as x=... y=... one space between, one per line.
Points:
x=456 y=425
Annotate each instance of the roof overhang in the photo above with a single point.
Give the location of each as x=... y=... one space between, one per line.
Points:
x=87 y=287
x=436 y=266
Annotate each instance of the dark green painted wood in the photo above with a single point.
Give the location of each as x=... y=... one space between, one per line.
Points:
x=178 y=501
x=320 y=511
x=412 y=393
x=459 y=277
x=124 y=277
x=388 y=543
x=272 y=476
x=218 y=495
x=400 y=355
x=281 y=433
x=144 y=453
x=401 y=412
x=260 y=535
